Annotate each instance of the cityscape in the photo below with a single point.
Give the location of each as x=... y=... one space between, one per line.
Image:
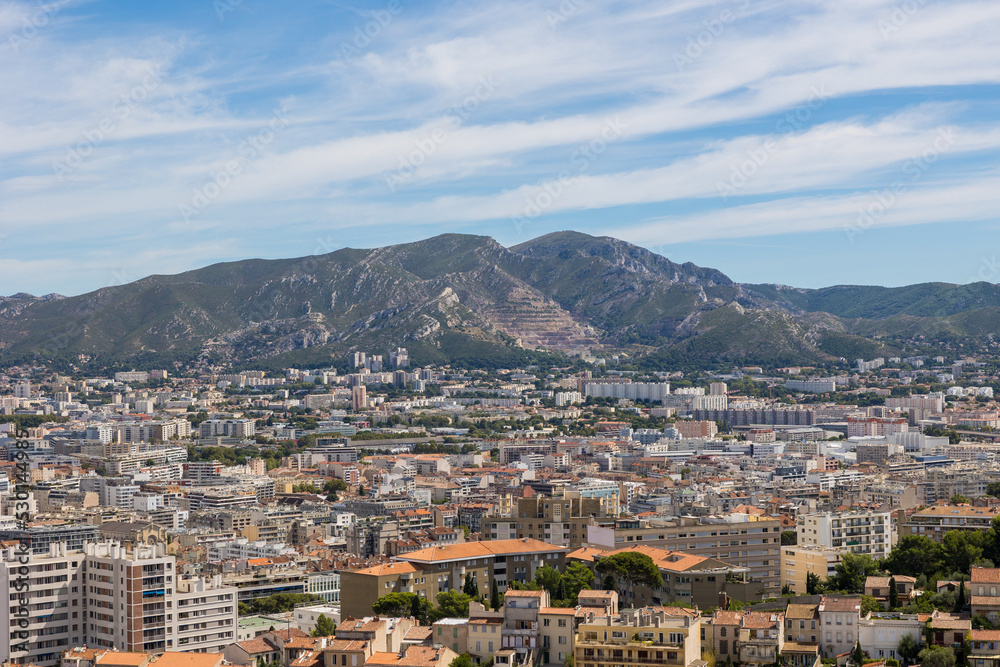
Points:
x=509 y=333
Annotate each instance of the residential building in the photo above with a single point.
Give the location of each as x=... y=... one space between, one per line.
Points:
x=639 y=637
x=798 y=562
x=935 y=521
x=839 y=618
x=984 y=589
x=880 y=633
x=859 y=532
x=559 y=520
x=433 y=570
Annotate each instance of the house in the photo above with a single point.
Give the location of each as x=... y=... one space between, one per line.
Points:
x=878 y=588
x=985 y=648
x=249 y=651
x=985 y=593
x=838 y=618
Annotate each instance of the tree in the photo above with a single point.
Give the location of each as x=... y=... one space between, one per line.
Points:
x=464 y=660
x=402 y=604
x=960 y=602
x=609 y=583
x=959 y=499
x=495 y=596
x=630 y=568
x=870 y=604
x=962 y=548
x=993 y=489
x=851 y=572
x=470 y=587
x=452 y=604
x=577 y=577
x=915 y=555
x=937 y=656
x=908 y=647
x=858 y=655
x=813 y=584
x=786 y=591
x=548 y=578
x=325 y=627
x=789 y=538
x=893 y=594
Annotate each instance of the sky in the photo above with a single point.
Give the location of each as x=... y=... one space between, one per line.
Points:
x=800 y=142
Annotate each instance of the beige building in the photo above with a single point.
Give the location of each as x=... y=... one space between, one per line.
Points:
x=637 y=638
x=741 y=540
x=797 y=563
x=430 y=571
x=560 y=520
x=933 y=522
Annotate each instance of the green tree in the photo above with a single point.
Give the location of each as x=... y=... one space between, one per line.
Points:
x=629 y=569
x=893 y=594
x=937 y=656
x=470 y=587
x=908 y=647
x=495 y=596
x=548 y=578
x=401 y=604
x=960 y=601
x=962 y=548
x=813 y=584
x=452 y=604
x=464 y=660
x=789 y=538
x=609 y=583
x=851 y=572
x=577 y=577
x=959 y=499
x=870 y=604
x=915 y=555
x=993 y=489
x=325 y=627
x=858 y=655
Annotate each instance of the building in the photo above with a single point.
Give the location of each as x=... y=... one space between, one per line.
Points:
x=687 y=579
x=935 y=521
x=858 y=532
x=838 y=617
x=879 y=633
x=984 y=590
x=654 y=392
x=696 y=429
x=985 y=648
x=559 y=520
x=430 y=571
x=880 y=588
x=798 y=562
x=640 y=637
x=744 y=541
x=521 y=625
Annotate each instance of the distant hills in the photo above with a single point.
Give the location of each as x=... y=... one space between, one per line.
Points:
x=467 y=299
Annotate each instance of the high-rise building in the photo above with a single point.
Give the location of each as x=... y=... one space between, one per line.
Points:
x=359 y=397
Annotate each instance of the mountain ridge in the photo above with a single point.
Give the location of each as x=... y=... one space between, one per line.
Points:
x=564 y=292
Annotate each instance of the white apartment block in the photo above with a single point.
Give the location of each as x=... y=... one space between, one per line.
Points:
x=869 y=533
x=633 y=391
x=132 y=376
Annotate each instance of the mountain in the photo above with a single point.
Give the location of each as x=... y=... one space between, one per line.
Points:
x=467 y=299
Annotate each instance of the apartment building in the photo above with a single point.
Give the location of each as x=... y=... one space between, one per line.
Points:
x=743 y=541
x=869 y=533
x=935 y=521
x=104 y=596
x=798 y=562
x=880 y=633
x=520 y=631
x=52 y=617
x=687 y=578
x=557 y=520
x=430 y=571
x=638 y=638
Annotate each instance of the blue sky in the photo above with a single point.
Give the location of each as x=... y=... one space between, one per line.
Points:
x=803 y=142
